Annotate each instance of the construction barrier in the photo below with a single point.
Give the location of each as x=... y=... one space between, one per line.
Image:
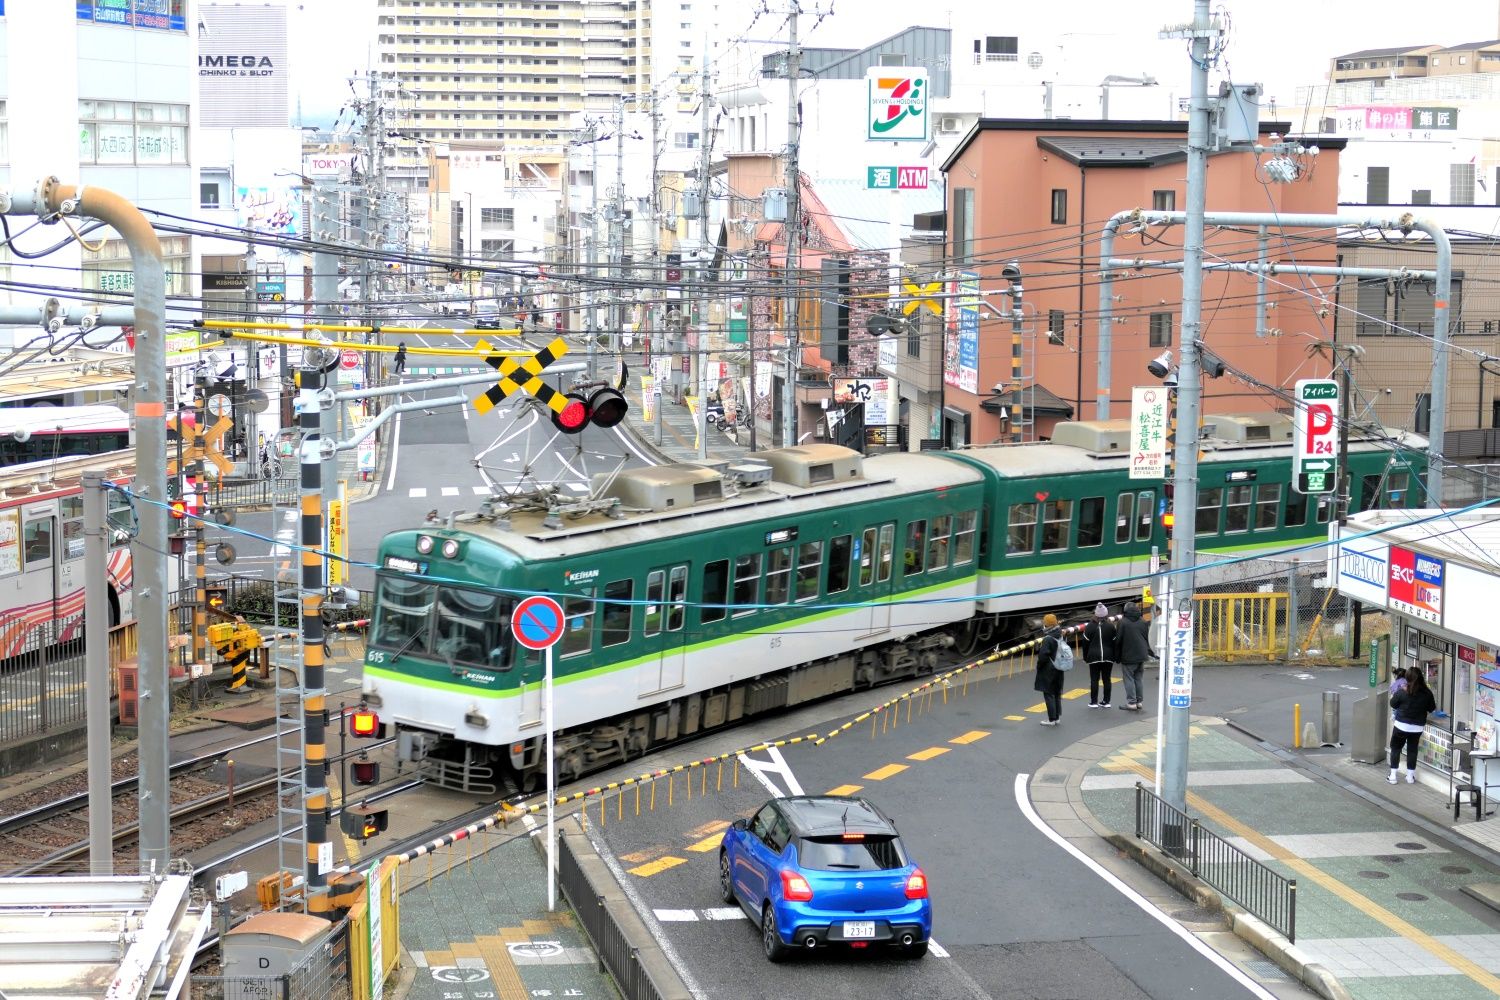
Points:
x=1239 y=626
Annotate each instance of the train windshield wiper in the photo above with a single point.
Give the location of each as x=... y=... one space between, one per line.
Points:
x=411 y=641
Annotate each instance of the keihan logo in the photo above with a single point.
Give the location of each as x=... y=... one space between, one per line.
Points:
x=580 y=575
x=905 y=99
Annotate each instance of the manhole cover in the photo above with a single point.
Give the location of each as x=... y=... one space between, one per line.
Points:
x=1411 y=845
x=1375 y=874
x=1389 y=859
x=1456 y=870
x=1412 y=897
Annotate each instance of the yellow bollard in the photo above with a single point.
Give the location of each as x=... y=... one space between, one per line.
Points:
x=653 y=795
x=619 y=805
x=1297 y=726
x=671 y=781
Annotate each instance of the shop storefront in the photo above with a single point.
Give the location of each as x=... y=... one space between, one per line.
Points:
x=1437 y=579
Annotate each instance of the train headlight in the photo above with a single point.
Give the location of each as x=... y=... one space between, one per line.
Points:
x=425 y=544
x=450 y=548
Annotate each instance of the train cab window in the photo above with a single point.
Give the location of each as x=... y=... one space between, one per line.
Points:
x=1090 y=522
x=614 y=620
x=1267 y=501
x=36 y=542
x=472 y=627
x=915 y=559
x=1145 y=503
x=809 y=568
x=578 y=636
x=403 y=614
x=867 y=558
x=1020 y=538
x=963 y=538
x=840 y=550
x=779 y=576
x=887 y=548
x=1237 y=509
x=1124 y=515
x=937 y=543
x=746 y=584
x=1210 y=509
x=656 y=590
x=677 y=598
x=715 y=591
x=1057 y=519
x=1296 y=509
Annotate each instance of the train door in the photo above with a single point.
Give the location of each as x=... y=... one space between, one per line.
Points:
x=41 y=586
x=666 y=610
x=1135 y=520
x=876 y=561
x=533 y=672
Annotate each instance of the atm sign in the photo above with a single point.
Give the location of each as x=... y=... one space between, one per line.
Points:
x=1416 y=586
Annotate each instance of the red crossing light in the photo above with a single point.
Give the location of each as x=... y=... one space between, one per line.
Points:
x=365 y=724
x=574 y=416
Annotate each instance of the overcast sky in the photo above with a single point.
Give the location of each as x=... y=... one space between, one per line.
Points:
x=1280 y=45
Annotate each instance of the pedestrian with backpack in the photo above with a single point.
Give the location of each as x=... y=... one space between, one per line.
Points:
x=1099 y=640
x=1053 y=658
x=1133 y=649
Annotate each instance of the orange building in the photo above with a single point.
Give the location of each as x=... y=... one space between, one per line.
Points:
x=1040 y=191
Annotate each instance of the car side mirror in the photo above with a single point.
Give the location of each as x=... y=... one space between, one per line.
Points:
x=740 y=824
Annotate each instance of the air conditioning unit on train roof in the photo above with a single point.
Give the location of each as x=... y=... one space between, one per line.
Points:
x=1099 y=436
x=814 y=464
x=1249 y=428
x=662 y=488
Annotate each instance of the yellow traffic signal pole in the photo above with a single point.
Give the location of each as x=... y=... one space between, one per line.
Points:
x=200 y=542
x=314 y=695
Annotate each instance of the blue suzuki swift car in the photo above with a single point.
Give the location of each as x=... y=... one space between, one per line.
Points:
x=820 y=870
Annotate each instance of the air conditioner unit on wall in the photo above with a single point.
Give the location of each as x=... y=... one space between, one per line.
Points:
x=950 y=124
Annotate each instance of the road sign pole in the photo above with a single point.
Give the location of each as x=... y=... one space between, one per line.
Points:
x=538 y=623
x=551 y=787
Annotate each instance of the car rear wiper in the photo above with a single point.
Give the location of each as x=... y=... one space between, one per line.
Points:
x=840 y=864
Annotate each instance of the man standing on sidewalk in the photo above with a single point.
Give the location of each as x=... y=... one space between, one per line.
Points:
x=1099 y=651
x=1134 y=649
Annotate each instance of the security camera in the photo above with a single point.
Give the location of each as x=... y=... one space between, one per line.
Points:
x=1161 y=365
x=1169 y=380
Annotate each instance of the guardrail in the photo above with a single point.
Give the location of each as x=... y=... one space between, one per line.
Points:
x=602 y=924
x=1213 y=860
x=237 y=494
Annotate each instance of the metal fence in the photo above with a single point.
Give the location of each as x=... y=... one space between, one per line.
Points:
x=1263 y=891
x=596 y=915
x=250 y=494
x=42 y=689
x=1276 y=609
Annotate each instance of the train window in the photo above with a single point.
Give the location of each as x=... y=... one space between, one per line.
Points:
x=578 y=637
x=656 y=589
x=1369 y=493
x=915 y=559
x=1090 y=522
x=778 y=576
x=715 y=591
x=36 y=544
x=984 y=532
x=839 y=552
x=1210 y=502
x=614 y=620
x=809 y=567
x=1124 y=514
x=1237 y=509
x=1396 y=486
x=887 y=546
x=121 y=519
x=70 y=511
x=472 y=628
x=746 y=584
x=677 y=598
x=867 y=558
x=1267 y=500
x=1021 y=534
x=1296 y=509
x=963 y=538
x=937 y=543
x=403 y=613
x=1057 y=518
x=1145 y=503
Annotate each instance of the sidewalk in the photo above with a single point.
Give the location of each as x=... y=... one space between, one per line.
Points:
x=1384 y=873
x=678 y=434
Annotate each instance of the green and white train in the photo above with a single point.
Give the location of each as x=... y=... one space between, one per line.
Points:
x=696 y=596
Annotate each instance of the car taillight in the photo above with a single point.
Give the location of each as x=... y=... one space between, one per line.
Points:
x=794 y=888
x=916 y=885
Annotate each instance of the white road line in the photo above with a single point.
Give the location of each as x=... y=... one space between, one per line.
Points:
x=1193 y=941
x=776 y=765
x=417 y=491
x=480 y=491
x=724 y=913
x=395 y=449
x=629 y=442
x=450 y=491
x=677 y=916
x=578 y=487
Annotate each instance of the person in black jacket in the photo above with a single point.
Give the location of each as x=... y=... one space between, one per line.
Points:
x=1410 y=706
x=1049 y=680
x=1132 y=650
x=1099 y=640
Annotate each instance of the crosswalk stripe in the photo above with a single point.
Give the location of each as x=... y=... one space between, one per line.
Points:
x=417 y=491
x=480 y=491
x=450 y=491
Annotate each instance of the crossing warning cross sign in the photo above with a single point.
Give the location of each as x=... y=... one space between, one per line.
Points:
x=1316 y=436
x=523 y=375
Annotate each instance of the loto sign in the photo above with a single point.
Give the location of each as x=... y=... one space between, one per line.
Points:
x=1416 y=585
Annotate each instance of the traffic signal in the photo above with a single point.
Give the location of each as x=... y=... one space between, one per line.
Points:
x=363 y=822
x=364 y=771
x=218 y=595
x=179 y=509
x=365 y=724
x=602 y=406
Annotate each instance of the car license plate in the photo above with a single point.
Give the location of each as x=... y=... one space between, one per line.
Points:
x=859 y=928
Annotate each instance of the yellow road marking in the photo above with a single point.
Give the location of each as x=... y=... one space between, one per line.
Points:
x=635 y=857
x=927 y=754
x=1015 y=718
x=657 y=867
x=1348 y=894
x=1075 y=693
x=845 y=789
x=707 y=843
x=1039 y=707
x=972 y=736
x=880 y=774
x=715 y=826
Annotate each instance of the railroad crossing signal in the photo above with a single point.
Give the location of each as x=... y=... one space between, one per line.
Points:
x=363 y=822
x=211 y=451
x=920 y=296
x=1316 y=436
x=530 y=381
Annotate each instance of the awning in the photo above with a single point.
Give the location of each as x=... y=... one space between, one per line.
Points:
x=1491 y=679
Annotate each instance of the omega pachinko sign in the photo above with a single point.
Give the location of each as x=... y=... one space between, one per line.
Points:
x=242 y=67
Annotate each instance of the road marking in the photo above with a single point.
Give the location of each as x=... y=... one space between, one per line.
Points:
x=1038 y=708
x=450 y=491
x=845 y=789
x=417 y=491
x=1015 y=718
x=1075 y=693
x=724 y=913
x=927 y=754
x=972 y=736
x=480 y=491
x=390 y=482
x=657 y=867
x=677 y=916
x=889 y=771
x=578 y=487
x=777 y=765
x=707 y=844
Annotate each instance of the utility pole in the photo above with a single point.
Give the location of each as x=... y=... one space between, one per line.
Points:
x=617 y=234
x=1189 y=397
x=200 y=540
x=593 y=253
x=96 y=673
x=700 y=360
x=789 y=326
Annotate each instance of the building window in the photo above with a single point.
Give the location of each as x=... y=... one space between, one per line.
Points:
x=685 y=140
x=1059 y=206
x=1370 y=304
x=213 y=188
x=963 y=224
x=1164 y=201
x=1161 y=330
x=1421 y=196
x=1422 y=419
x=123 y=132
x=1055 y=326
x=1414 y=308
x=505 y=217
x=1377 y=185
x=996 y=48
x=1460 y=183
x=913 y=338
x=497 y=249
